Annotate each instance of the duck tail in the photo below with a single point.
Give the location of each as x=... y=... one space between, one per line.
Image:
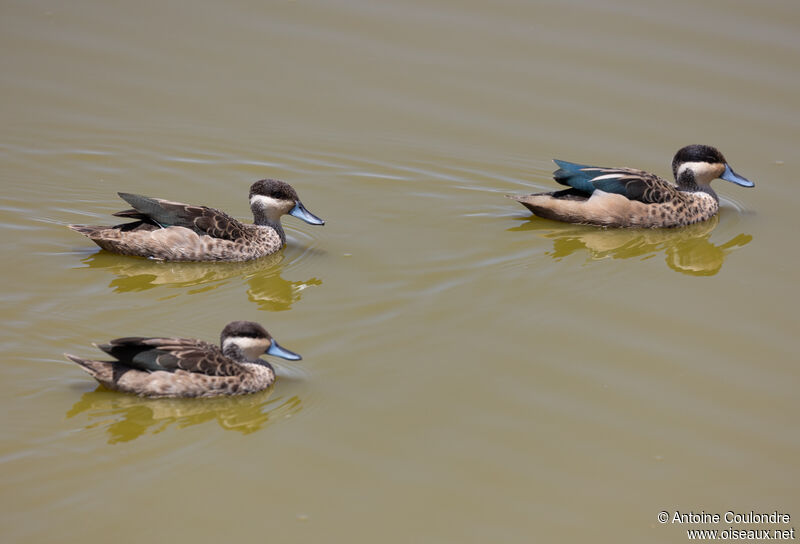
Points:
x=102 y=371
x=86 y=230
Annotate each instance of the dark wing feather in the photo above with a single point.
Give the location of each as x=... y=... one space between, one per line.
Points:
x=633 y=184
x=573 y=175
x=218 y=224
x=143 y=223
x=171 y=354
x=628 y=182
x=201 y=219
x=131 y=213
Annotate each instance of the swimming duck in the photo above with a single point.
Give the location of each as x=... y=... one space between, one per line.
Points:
x=181 y=367
x=624 y=197
x=171 y=231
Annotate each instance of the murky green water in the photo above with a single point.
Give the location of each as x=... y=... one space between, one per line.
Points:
x=470 y=374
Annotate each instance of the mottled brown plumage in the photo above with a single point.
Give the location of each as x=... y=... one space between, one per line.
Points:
x=173 y=231
x=626 y=197
x=180 y=367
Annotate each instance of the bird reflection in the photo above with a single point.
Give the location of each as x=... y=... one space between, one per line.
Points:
x=267 y=288
x=687 y=249
x=127 y=417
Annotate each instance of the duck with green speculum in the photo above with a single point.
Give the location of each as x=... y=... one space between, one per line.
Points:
x=172 y=231
x=625 y=197
x=182 y=367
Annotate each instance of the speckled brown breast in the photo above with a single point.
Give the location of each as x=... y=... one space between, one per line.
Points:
x=614 y=210
x=182 y=244
x=249 y=378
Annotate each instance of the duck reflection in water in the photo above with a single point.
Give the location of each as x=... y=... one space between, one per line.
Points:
x=266 y=286
x=126 y=417
x=688 y=250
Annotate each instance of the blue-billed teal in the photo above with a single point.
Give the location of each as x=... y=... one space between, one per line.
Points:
x=181 y=367
x=172 y=231
x=624 y=197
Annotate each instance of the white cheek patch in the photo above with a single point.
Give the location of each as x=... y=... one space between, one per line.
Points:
x=269 y=203
x=704 y=172
x=252 y=347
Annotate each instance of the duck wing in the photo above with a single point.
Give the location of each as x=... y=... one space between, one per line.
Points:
x=631 y=183
x=171 y=354
x=200 y=219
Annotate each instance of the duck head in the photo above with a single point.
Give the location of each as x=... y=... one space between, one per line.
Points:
x=698 y=165
x=272 y=198
x=252 y=340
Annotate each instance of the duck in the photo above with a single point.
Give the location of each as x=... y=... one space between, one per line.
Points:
x=185 y=367
x=626 y=197
x=172 y=231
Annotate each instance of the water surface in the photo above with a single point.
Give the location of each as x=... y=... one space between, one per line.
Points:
x=470 y=373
